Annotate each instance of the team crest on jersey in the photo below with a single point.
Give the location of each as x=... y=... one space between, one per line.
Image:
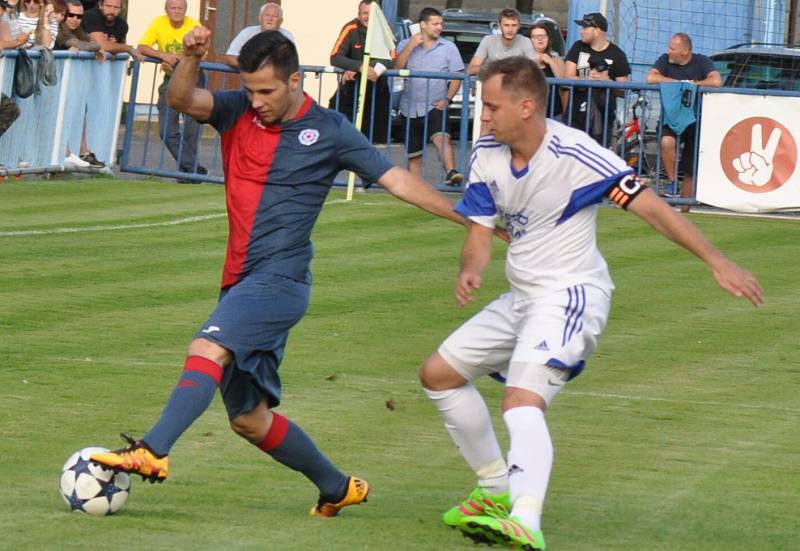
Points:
x=308 y=136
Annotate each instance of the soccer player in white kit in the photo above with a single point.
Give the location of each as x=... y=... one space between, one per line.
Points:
x=543 y=181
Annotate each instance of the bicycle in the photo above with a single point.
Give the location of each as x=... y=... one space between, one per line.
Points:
x=640 y=148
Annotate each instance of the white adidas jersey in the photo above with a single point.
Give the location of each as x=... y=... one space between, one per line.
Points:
x=549 y=208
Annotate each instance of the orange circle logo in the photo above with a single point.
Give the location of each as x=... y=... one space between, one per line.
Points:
x=758 y=154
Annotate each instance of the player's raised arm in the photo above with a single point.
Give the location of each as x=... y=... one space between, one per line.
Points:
x=731 y=277
x=182 y=94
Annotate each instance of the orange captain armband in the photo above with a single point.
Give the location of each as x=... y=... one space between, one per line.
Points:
x=626 y=189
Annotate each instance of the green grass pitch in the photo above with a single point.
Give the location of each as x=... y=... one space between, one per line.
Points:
x=683 y=433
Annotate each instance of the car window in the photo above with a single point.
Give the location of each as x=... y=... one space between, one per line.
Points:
x=466 y=43
x=759 y=71
x=728 y=67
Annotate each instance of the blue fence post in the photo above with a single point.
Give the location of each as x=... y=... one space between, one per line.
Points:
x=130 y=117
x=463 y=128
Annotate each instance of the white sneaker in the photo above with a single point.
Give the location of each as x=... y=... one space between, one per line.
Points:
x=73 y=161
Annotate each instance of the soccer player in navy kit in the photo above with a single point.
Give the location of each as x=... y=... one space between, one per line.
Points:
x=281 y=154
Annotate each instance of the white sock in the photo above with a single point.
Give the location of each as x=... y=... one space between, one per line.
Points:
x=467 y=419
x=531 y=459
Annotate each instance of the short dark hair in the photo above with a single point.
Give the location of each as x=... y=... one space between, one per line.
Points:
x=364 y=2
x=427 y=13
x=509 y=13
x=520 y=75
x=269 y=48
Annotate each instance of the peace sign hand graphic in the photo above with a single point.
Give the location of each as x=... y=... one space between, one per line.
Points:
x=755 y=166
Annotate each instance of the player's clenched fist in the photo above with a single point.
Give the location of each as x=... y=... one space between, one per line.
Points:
x=197 y=41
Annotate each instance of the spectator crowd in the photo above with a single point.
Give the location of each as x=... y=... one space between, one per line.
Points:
x=98 y=27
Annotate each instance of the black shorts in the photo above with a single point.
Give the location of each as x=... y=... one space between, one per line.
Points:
x=687 y=141
x=414 y=128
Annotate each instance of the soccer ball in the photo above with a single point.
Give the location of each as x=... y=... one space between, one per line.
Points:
x=89 y=488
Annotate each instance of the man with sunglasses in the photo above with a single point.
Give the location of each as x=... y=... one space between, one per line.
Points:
x=105 y=26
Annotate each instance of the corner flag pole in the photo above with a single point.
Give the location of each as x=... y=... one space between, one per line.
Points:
x=362 y=93
x=379 y=42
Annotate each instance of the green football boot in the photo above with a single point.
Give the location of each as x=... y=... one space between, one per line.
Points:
x=504 y=530
x=475 y=505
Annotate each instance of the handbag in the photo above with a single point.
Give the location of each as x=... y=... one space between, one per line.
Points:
x=24 y=76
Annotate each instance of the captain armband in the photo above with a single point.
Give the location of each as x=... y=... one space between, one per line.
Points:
x=626 y=189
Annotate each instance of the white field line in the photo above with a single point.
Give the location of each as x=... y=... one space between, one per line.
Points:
x=176 y=222
x=392 y=381
x=613 y=396
x=116 y=227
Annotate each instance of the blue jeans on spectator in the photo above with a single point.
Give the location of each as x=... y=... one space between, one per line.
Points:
x=182 y=144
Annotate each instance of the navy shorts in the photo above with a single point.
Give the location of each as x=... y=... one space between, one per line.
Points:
x=252 y=320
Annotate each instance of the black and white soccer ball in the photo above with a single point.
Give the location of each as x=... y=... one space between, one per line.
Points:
x=89 y=488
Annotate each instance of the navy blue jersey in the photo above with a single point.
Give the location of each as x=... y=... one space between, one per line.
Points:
x=277 y=177
x=698 y=67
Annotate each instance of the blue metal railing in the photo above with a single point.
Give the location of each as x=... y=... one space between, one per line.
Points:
x=88 y=93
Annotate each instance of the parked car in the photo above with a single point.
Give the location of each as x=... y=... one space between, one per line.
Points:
x=760 y=66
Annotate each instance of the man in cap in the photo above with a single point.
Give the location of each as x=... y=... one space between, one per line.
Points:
x=594 y=57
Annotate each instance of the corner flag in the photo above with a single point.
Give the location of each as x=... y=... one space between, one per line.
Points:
x=380 y=40
x=380 y=44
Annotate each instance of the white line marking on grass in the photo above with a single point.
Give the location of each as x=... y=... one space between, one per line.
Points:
x=116 y=227
x=176 y=222
x=367 y=203
x=679 y=401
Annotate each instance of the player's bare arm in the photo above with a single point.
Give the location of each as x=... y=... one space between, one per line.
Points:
x=182 y=94
x=676 y=227
x=475 y=256
x=416 y=191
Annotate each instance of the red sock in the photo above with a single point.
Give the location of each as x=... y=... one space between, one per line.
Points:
x=276 y=434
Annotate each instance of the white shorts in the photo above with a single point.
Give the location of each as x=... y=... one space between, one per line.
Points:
x=537 y=345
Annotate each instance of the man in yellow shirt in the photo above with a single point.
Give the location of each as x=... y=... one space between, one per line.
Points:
x=167 y=31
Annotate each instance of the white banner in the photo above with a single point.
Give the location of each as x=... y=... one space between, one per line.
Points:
x=749 y=152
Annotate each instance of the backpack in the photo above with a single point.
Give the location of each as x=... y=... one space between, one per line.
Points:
x=46 y=72
x=24 y=77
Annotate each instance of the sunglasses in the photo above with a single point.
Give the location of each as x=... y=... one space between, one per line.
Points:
x=75 y=15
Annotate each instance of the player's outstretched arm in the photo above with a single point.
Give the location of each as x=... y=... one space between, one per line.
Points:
x=475 y=256
x=734 y=279
x=182 y=94
x=416 y=191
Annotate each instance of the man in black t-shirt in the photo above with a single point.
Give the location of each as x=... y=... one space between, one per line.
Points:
x=681 y=64
x=594 y=57
x=106 y=27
